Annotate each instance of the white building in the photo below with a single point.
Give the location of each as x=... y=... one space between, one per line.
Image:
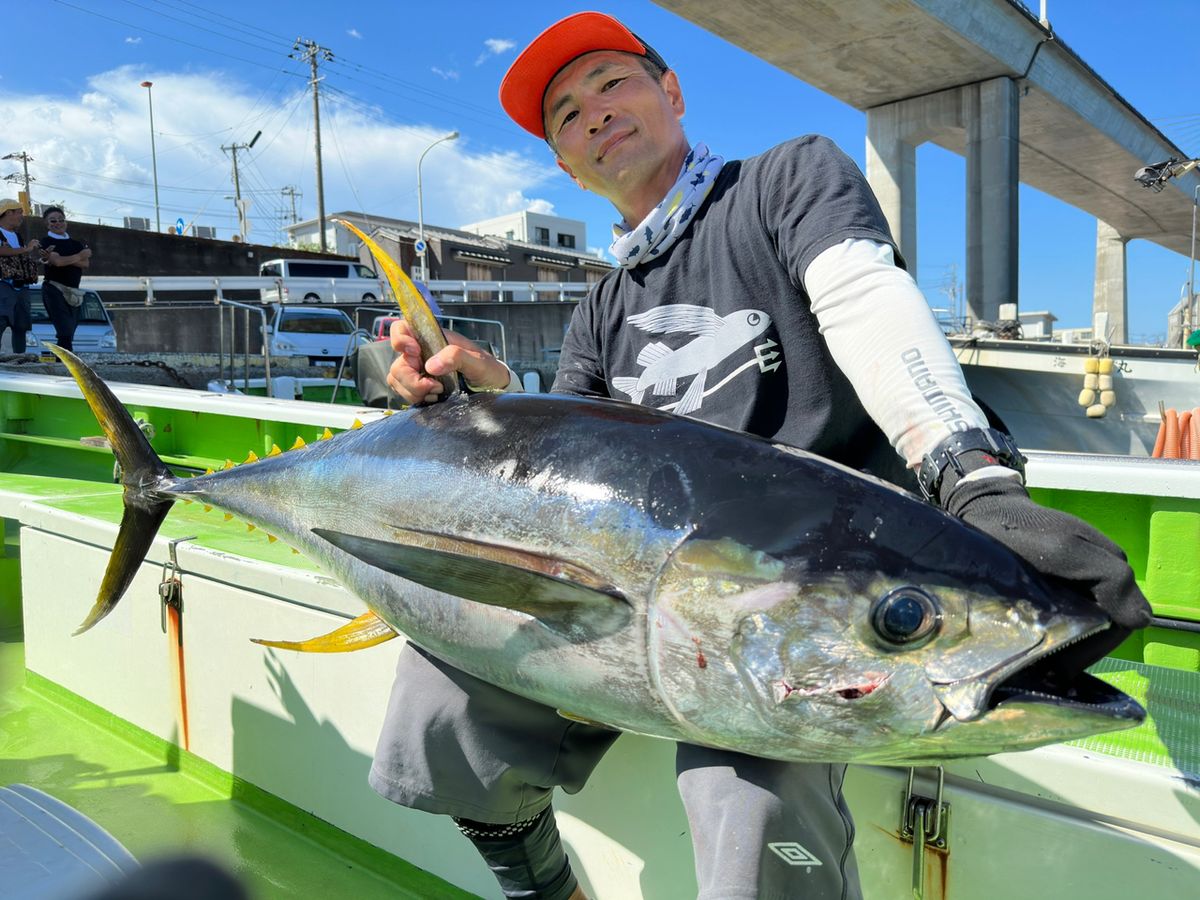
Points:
x=535 y=228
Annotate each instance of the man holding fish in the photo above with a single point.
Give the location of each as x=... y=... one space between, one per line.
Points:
x=765 y=295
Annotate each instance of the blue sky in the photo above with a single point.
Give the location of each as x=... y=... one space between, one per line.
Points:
x=405 y=73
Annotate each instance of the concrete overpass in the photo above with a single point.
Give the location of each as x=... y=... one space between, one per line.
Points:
x=987 y=80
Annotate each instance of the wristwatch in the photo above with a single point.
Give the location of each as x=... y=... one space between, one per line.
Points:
x=963 y=452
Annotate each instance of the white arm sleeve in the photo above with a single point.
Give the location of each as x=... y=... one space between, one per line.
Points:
x=884 y=338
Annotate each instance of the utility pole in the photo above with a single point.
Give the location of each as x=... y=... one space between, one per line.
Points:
x=237 y=187
x=290 y=191
x=309 y=52
x=25 y=159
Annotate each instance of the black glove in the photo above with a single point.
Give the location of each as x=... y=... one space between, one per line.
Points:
x=1062 y=548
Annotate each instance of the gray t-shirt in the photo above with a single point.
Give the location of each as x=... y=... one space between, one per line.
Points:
x=721 y=328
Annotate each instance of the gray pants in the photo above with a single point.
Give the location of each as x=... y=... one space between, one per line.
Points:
x=761 y=829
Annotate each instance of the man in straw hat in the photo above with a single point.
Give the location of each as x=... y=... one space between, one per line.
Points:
x=18 y=270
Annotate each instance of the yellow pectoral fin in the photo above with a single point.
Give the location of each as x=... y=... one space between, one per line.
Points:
x=365 y=631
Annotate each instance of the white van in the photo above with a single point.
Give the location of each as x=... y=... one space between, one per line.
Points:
x=317 y=280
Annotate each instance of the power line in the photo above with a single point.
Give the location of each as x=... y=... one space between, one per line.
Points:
x=127 y=200
x=223 y=35
x=171 y=38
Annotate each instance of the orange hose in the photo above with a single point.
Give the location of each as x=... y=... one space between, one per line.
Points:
x=179 y=671
x=1185 y=433
x=1194 y=449
x=1161 y=440
x=1171 y=446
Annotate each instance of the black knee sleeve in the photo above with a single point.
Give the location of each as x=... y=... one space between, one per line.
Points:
x=527 y=857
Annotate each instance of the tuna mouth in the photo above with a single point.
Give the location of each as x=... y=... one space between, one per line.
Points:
x=1059 y=679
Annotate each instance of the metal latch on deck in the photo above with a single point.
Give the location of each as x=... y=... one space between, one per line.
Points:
x=170 y=588
x=923 y=820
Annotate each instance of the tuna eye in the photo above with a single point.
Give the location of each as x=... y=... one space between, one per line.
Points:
x=906 y=617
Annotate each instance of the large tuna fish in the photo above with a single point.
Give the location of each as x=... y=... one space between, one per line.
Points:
x=663 y=576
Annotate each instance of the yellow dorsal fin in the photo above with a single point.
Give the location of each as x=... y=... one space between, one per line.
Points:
x=299 y=444
x=275 y=451
x=253 y=457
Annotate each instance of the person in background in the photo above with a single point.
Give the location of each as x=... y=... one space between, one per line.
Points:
x=815 y=336
x=66 y=258
x=18 y=270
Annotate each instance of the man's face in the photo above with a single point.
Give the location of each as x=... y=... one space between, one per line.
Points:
x=612 y=123
x=57 y=222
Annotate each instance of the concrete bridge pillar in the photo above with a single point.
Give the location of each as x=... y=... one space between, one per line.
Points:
x=892 y=174
x=992 y=118
x=1110 y=294
x=983 y=121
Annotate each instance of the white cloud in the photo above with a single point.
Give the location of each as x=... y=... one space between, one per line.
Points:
x=92 y=153
x=354 y=33
x=494 y=47
x=445 y=74
x=133 y=40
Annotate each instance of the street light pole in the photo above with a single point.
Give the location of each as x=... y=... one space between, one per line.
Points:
x=153 y=155
x=420 y=206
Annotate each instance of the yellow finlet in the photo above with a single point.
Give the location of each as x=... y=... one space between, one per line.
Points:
x=253 y=457
x=228 y=516
x=250 y=526
x=389 y=412
x=207 y=508
x=355 y=425
x=271 y=539
x=299 y=445
x=275 y=451
x=325 y=435
x=229 y=464
x=208 y=472
x=365 y=631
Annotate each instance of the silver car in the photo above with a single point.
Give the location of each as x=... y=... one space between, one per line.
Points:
x=95 y=333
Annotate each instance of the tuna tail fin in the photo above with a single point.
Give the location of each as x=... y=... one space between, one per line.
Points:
x=140 y=470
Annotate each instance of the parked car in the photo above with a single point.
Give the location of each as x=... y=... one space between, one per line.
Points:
x=316 y=280
x=95 y=333
x=322 y=335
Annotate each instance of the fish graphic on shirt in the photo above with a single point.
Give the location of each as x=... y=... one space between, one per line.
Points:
x=717 y=338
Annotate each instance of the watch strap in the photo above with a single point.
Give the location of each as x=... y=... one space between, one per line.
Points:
x=964 y=452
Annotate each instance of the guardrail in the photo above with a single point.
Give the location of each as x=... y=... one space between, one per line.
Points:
x=292 y=290
x=272 y=290
x=447 y=291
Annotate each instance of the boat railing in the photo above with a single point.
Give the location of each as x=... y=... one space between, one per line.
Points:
x=233 y=306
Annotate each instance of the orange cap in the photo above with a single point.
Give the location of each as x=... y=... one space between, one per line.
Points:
x=523 y=89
